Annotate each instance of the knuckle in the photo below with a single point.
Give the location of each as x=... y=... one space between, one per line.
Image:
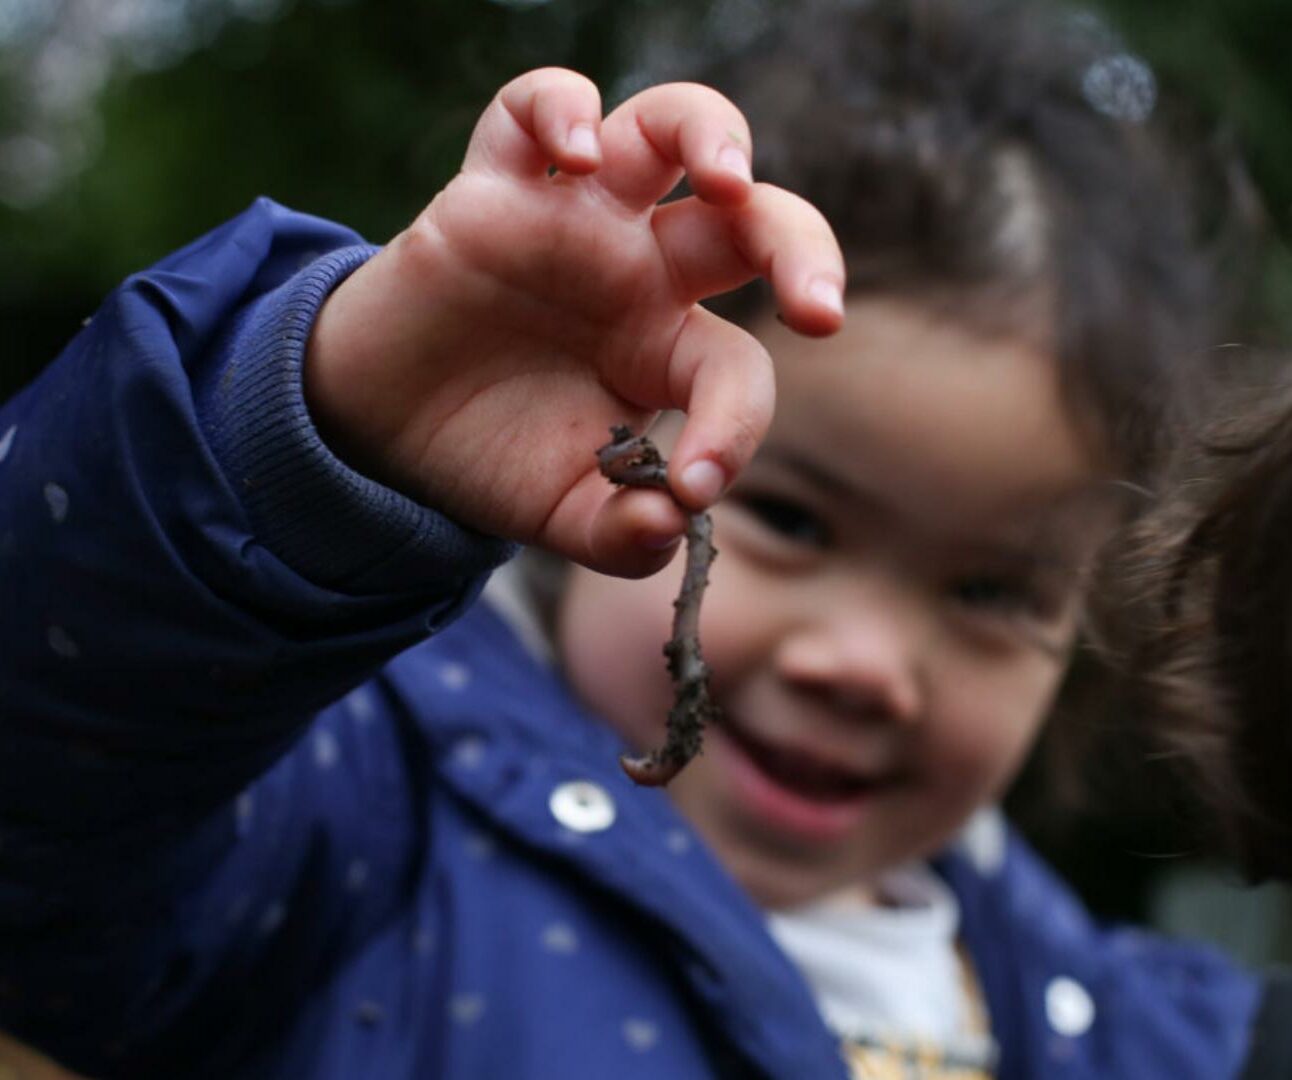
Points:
x=541 y=76
x=694 y=95
x=418 y=246
x=563 y=81
x=706 y=94
x=545 y=84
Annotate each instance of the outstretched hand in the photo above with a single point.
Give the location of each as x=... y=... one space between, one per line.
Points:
x=479 y=359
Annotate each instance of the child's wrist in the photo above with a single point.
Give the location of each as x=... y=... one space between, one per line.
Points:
x=332 y=524
x=366 y=371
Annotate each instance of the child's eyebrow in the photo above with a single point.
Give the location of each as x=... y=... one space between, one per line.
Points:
x=1042 y=552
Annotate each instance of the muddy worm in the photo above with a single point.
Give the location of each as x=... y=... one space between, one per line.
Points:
x=634 y=461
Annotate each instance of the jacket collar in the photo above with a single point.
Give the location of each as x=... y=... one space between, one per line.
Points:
x=505 y=738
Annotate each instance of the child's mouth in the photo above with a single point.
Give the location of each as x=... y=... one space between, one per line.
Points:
x=795 y=792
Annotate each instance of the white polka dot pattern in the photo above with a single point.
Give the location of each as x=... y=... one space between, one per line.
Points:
x=57 y=501
x=62 y=643
x=641 y=1035
x=369 y=1013
x=466 y=1008
x=454 y=676
x=244 y=808
x=326 y=750
x=480 y=846
x=271 y=919
x=356 y=876
x=360 y=705
x=468 y=752
x=677 y=841
x=560 y=938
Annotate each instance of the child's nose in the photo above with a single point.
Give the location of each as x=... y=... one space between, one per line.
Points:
x=864 y=658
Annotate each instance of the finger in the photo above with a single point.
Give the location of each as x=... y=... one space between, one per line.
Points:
x=542 y=118
x=722 y=378
x=630 y=532
x=655 y=137
x=711 y=250
x=788 y=241
x=699 y=241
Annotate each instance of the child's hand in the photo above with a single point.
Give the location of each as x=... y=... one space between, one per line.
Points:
x=479 y=360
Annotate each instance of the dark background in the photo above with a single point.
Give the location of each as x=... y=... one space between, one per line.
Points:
x=128 y=127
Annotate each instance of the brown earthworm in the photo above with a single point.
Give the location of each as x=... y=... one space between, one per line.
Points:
x=634 y=461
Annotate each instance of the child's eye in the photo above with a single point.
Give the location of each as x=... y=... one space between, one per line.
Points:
x=790 y=520
x=993 y=594
x=1016 y=605
x=1008 y=597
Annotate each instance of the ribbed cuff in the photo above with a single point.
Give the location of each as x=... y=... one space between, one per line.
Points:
x=332 y=525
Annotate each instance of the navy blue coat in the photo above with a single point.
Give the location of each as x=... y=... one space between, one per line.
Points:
x=278 y=799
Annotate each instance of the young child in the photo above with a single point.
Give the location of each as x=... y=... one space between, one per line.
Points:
x=254 y=825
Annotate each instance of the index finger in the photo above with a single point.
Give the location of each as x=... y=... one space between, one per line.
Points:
x=550 y=116
x=657 y=136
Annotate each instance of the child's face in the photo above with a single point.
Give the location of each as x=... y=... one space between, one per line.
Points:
x=891 y=607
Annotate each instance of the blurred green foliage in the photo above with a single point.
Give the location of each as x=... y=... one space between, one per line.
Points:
x=1230 y=59
x=358 y=110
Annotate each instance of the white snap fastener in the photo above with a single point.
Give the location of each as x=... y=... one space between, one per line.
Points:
x=984 y=840
x=1068 y=1007
x=582 y=806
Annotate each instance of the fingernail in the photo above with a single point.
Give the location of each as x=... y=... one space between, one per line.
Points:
x=661 y=543
x=826 y=293
x=582 y=142
x=704 y=481
x=733 y=160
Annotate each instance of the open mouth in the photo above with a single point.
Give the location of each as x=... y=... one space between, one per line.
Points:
x=792 y=793
x=806 y=776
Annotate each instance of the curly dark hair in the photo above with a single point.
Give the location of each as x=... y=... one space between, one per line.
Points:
x=1010 y=166
x=982 y=156
x=1200 y=612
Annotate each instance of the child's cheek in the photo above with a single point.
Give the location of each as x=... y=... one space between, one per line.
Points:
x=610 y=637
x=980 y=753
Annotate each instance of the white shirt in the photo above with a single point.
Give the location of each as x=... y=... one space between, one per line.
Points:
x=889 y=973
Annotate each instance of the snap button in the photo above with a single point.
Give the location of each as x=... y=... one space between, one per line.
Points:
x=984 y=840
x=1068 y=1007
x=582 y=806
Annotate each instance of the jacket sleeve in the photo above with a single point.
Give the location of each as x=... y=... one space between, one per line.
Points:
x=189 y=577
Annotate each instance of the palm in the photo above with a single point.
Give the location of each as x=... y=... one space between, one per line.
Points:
x=581 y=339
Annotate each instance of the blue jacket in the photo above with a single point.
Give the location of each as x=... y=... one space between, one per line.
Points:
x=277 y=800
